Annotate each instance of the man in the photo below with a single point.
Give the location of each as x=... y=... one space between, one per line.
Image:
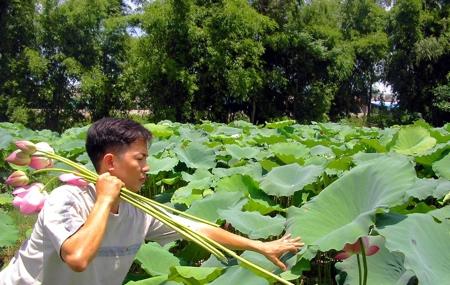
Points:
x=86 y=235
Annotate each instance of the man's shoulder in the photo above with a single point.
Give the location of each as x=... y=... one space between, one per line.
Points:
x=68 y=192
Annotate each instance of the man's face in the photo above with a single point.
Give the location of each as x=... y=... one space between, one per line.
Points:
x=130 y=165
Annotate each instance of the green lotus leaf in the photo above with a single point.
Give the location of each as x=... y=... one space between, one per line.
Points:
x=289 y=152
x=433 y=155
x=253 y=170
x=423 y=242
x=412 y=140
x=321 y=150
x=263 y=206
x=342 y=163
x=241 y=275
x=267 y=136
x=374 y=144
x=10 y=233
x=159 y=131
x=194 y=275
x=242 y=152
x=362 y=157
x=237 y=182
x=70 y=145
x=280 y=124
x=201 y=176
x=158 y=280
x=238 y=275
x=442 y=167
x=384 y=267
x=196 y=155
x=253 y=224
x=424 y=188
x=345 y=209
x=155 y=260
x=289 y=259
x=442 y=214
x=5 y=139
x=287 y=179
x=188 y=133
x=187 y=195
x=228 y=131
x=268 y=164
x=159 y=146
x=208 y=207
x=164 y=164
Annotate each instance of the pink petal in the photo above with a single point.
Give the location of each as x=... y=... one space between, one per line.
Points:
x=33 y=202
x=343 y=255
x=21 y=191
x=39 y=162
x=43 y=146
x=17 y=201
x=372 y=250
x=72 y=179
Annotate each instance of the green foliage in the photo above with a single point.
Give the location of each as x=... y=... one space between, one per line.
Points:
x=327 y=182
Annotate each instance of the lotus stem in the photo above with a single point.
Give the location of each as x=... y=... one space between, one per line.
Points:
x=364 y=259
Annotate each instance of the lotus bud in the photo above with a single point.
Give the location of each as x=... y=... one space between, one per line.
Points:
x=17 y=178
x=19 y=157
x=72 y=179
x=355 y=248
x=31 y=199
x=26 y=146
x=39 y=162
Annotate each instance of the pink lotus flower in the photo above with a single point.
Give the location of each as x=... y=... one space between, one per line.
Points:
x=26 y=146
x=38 y=161
x=19 y=157
x=17 y=178
x=72 y=179
x=355 y=248
x=29 y=199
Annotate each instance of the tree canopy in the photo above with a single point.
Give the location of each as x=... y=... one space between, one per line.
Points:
x=63 y=63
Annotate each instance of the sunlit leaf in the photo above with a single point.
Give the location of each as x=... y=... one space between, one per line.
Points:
x=287 y=179
x=442 y=167
x=423 y=242
x=196 y=155
x=194 y=275
x=346 y=209
x=253 y=224
x=412 y=140
x=155 y=260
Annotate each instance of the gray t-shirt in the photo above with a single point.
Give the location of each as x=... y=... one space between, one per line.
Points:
x=38 y=261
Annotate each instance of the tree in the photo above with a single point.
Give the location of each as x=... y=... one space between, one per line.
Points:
x=420 y=57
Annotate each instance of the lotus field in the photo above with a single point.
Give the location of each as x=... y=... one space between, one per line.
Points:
x=370 y=204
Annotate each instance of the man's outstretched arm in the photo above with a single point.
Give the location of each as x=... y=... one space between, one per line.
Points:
x=272 y=250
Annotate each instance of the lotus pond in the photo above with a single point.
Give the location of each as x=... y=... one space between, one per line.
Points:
x=345 y=190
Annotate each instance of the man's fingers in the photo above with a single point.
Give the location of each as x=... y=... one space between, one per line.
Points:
x=278 y=263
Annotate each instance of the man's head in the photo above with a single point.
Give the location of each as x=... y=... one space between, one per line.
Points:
x=119 y=146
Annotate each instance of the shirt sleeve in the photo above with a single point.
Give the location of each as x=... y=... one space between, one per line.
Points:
x=162 y=234
x=62 y=216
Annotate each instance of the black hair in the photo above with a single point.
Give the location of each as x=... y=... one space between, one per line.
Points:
x=112 y=134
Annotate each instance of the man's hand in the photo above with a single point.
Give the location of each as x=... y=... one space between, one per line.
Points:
x=273 y=250
x=108 y=190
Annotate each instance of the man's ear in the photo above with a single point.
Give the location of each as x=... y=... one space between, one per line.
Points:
x=108 y=161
